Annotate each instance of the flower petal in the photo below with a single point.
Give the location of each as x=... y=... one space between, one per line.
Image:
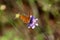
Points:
x=33 y=27
x=36 y=24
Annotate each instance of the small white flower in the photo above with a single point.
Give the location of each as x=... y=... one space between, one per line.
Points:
x=2 y=7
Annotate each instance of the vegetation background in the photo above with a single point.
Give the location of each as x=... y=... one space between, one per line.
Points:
x=47 y=11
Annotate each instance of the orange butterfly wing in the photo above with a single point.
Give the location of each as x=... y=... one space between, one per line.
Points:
x=24 y=19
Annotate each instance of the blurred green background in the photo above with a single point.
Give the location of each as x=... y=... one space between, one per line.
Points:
x=47 y=12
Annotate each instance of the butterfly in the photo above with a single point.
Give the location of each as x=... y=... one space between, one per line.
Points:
x=24 y=18
x=31 y=21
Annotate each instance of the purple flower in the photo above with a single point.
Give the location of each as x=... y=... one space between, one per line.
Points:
x=33 y=22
